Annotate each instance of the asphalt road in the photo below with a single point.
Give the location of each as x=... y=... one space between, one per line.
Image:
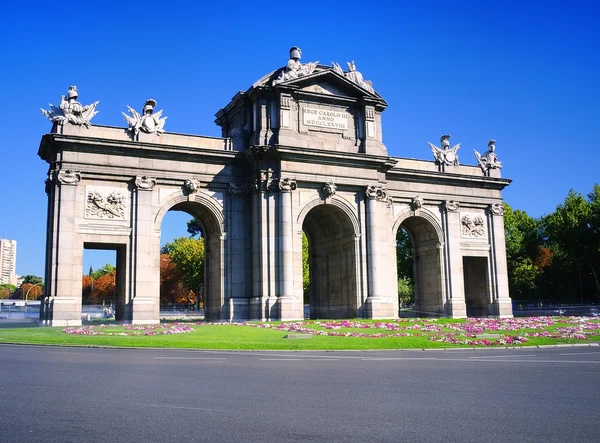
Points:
x=52 y=394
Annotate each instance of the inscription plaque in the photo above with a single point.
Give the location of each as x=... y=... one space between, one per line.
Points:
x=323 y=118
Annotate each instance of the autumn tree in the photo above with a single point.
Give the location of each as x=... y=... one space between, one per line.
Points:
x=188 y=256
x=31 y=291
x=6 y=290
x=172 y=290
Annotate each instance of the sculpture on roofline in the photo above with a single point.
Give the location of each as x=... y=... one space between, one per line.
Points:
x=148 y=121
x=354 y=76
x=445 y=155
x=71 y=111
x=294 y=68
x=489 y=160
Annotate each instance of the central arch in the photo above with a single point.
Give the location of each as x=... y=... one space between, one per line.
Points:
x=425 y=236
x=331 y=233
x=209 y=213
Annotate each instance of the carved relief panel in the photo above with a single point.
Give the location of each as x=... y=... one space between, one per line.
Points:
x=472 y=225
x=106 y=203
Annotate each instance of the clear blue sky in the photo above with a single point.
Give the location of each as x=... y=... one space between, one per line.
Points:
x=525 y=73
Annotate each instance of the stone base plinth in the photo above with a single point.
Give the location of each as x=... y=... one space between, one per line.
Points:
x=258 y=309
x=238 y=309
x=456 y=309
x=63 y=311
x=381 y=308
x=290 y=308
x=504 y=309
x=144 y=311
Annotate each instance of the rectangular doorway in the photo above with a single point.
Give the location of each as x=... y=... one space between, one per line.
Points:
x=477 y=291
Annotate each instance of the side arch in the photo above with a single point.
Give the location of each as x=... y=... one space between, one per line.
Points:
x=339 y=202
x=209 y=212
x=425 y=213
x=428 y=269
x=212 y=206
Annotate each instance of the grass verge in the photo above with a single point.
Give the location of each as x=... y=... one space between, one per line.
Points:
x=325 y=335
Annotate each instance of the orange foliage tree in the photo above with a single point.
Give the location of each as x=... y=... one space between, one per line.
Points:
x=171 y=287
x=33 y=292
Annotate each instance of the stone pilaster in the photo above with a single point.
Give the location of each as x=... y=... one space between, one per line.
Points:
x=65 y=290
x=379 y=302
x=286 y=300
x=455 y=305
x=502 y=299
x=145 y=303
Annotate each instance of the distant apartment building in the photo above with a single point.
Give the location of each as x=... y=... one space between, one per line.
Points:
x=8 y=261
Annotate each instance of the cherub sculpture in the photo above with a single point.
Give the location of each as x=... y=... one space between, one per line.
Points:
x=71 y=111
x=353 y=75
x=445 y=155
x=147 y=121
x=489 y=160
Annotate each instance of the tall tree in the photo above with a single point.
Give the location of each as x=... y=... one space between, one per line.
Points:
x=33 y=279
x=188 y=256
x=194 y=228
x=31 y=291
x=305 y=268
x=523 y=253
x=172 y=290
x=572 y=233
x=404 y=266
x=6 y=290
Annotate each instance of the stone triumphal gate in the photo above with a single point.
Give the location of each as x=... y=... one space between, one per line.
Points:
x=302 y=151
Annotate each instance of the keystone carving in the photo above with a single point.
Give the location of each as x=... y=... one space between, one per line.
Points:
x=329 y=189
x=416 y=203
x=192 y=185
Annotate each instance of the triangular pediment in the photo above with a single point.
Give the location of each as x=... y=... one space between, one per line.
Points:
x=329 y=82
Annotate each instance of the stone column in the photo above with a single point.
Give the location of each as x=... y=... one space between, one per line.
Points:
x=144 y=305
x=454 y=279
x=379 y=304
x=286 y=299
x=502 y=301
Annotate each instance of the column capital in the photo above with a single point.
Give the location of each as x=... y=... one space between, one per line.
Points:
x=287 y=184
x=451 y=205
x=376 y=192
x=68 y=177
x=240 y=189
x=145 y=183
x=496 y=209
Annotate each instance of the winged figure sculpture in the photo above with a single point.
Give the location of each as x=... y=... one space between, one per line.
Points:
x=148 y=121
x=445 y=155
x=71 y=111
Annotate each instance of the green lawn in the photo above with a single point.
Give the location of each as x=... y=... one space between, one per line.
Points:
x=271 y=336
